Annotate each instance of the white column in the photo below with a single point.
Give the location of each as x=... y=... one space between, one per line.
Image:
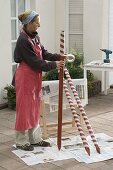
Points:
x=46 y=9
x=111 y=36
x=5 y=47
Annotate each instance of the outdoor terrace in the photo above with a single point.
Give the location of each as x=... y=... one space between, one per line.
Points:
x=100 y=114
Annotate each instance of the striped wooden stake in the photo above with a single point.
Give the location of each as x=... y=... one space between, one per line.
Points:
x=82 y=110
x=76 y=118
x=61 y=75
x=61 y=85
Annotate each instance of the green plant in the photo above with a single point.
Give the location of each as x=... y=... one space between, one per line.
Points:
x=11 y=96
x=75 y=69
x=90 y=79
x=78 y=62
x=90 y=76
x=76 y=72
x=51 y=75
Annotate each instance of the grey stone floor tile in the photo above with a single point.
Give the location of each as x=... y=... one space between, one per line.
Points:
x=108 y=162
x=78 y=166
x=105 y=167
x=7 y=123
x=47 y=166
x=3 y=158
x=4 y=114
x=26 y=168
x=5 y=138
x=10 y=164
x=10 y=143
x=95 y=165
x=9 y=132
x=66 y=164
x=8 y=153
x=3 y=147
x=1 y=168
x=2 y=128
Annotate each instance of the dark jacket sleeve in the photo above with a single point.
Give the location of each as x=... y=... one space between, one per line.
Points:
x=24 y=52
x=49 y=56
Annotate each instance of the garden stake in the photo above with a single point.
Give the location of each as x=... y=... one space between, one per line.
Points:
x=76 y=118
x=62 y=84
x=61 y=75
x=81 y=109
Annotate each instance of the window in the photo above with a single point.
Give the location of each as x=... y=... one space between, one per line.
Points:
x=17 y=7
x=75 y=36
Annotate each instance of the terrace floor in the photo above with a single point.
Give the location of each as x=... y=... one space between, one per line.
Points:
x=100 y=113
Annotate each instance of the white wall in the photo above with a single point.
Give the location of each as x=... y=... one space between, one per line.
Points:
x=60 y=24
x=32 y=4
x=53 y=15
x=46 y=9
x=105 y=37
x=92 y=30
x=5 y=47
x=105 y=25
x=111 y=37
x=95 y=30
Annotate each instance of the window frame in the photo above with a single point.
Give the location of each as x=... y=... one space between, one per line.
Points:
x=27 y=6
x=68 y=32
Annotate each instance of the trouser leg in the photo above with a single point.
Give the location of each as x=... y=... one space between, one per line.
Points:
x=20 y=138
x=35 y=135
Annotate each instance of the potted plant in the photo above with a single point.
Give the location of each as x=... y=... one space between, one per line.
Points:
x=10 y=96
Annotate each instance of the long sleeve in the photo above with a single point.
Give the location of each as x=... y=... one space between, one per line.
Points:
x=49 y=56
x=24 y=52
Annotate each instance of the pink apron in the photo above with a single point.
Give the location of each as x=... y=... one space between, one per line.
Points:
x=28 y=93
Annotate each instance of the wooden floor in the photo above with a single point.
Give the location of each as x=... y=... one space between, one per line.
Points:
x=100 y=113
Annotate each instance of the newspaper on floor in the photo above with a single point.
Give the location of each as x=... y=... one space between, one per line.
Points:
x=72 y=147
x=42 y=155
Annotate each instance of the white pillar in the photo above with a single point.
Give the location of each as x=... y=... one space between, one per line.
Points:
x=5 y=47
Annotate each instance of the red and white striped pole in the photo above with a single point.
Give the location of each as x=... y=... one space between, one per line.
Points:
x=61 y=85
x=62 y=42
x=81 y=109
x=61 y=76
x=76 y=118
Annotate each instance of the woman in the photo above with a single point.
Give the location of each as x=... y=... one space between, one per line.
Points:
x=31 y=56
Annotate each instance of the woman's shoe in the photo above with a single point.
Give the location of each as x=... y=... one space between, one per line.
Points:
x=26 y=147
x=42 y=144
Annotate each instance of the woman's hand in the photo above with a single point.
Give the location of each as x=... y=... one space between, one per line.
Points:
x=68 y=57
x=60 y=64
x=63 y=57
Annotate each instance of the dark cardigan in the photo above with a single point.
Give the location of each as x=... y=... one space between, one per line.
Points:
x=24 y=52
